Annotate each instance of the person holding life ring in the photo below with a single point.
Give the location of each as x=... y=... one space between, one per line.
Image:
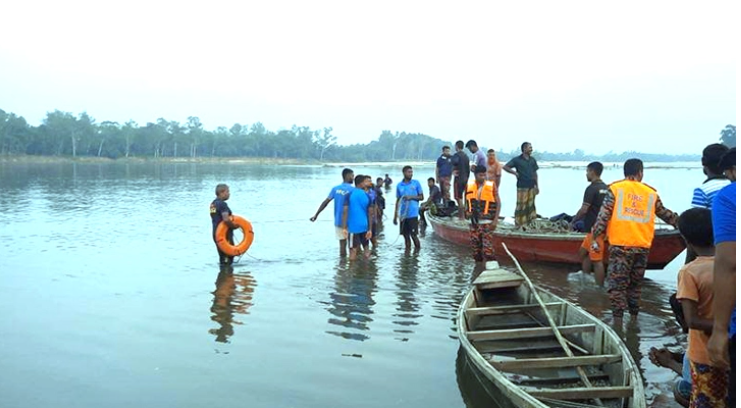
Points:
x=220 y=212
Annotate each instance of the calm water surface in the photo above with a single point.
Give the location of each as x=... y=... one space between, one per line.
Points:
x=111 y=294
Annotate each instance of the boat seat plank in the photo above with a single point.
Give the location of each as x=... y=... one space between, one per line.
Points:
x=581 y=393
x=497 y=278
x=527 y=333
x=496 y=310
x=559 y=380
x=550 y=362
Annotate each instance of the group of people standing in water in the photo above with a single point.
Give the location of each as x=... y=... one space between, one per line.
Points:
x=619 y=222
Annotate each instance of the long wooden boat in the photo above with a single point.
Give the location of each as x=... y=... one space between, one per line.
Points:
x=557 y=247
x=507 y=339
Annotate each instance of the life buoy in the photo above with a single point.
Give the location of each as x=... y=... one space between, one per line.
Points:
x=240 y=248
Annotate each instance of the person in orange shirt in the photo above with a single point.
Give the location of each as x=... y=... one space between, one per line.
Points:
x=695 y=292
x=627 y=216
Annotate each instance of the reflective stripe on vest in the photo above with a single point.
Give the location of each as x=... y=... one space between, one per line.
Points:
x=488 y=194
x=633 y=217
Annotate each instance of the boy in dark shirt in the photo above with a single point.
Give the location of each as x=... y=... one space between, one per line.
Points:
x=220 y=212
x=461 y=171
x=593 y=196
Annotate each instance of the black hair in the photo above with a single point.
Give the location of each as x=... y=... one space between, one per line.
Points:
x=379 y=179
x=728 y=160
x=369 y=177
x=359 y=179
x=404 y=170
x=632 y=167
x=459 y=144
x=711 y=156
x=471 y=143
x=696 y=226
x=596 y=167
x=523 y=146
x=220 y=188
x=446 y=147
x=345 y=172
x=490 y=151
x=479 y=169
x=432 y=179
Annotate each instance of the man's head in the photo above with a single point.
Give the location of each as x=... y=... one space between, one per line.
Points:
x=347 y=175
x=728 y=164
x=480 y=174
x=408 y=172
x=491 y=156
x=222 y=192
x=368 y=181
x=459 y=145
x=472 y=146
x=446 y=151
x=379 y=181
x=633 y=168
x=594 y=171
x=526 y=148
x=360 y=181
x=696 y=226
x=711 y=156
x=430 y=182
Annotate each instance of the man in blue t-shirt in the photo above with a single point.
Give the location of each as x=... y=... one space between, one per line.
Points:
x=338 y=194
x=220 y=211
x=357 y=217
x=408 y=196
x=722 y=343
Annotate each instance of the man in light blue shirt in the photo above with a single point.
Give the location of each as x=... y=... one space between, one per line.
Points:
x=357 y=217
x=408 y=196
x=338 y=194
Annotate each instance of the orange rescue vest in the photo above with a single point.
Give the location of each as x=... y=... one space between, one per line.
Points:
x=488 y=195
x=632 y=222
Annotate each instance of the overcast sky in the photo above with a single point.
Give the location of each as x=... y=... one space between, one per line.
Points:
x=649 y=76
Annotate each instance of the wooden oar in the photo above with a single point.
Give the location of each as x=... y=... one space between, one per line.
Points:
x=561 y=340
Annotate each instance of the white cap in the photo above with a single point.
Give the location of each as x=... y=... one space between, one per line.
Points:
x=490 y=265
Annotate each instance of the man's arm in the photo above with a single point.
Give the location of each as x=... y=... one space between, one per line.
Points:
x=689 y=308
x=605 y=213
x=396 y=210
x=669 y=216
x=228 y=219
x=345 y=209
x=724 y=301
x=322 y=206
x=582 y=212
x=508 y=168
x=499 y=208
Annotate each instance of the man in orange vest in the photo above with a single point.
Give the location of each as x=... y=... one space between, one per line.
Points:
x=627 y=213
x=483 y=206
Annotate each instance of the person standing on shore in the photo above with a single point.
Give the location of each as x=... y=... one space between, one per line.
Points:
x=443 y=172
x=627 y=216
x=408 y=196
x=357 y=218
x=722 y=343
x=338 y=194
x=525 y=168
x=484 y=205
x=461 y=170
x=591 y=204
x=220 y=211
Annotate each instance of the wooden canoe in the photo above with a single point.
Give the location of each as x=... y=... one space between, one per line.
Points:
x=507 y=339
x=554 y=247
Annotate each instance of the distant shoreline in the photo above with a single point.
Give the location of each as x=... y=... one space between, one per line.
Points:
x=30 y=159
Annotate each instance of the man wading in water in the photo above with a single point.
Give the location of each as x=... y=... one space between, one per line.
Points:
x=338 y=194
x=220 y=212
x=408 y=196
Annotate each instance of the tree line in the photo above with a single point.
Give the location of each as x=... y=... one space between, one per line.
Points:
x=65 y=134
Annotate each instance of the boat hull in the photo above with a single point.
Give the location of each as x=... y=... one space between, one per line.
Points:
x=554 y=248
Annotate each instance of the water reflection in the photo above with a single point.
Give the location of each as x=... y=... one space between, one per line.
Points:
x=351 y=303
x=407 y=305
x=473 y=391
x=233 y=295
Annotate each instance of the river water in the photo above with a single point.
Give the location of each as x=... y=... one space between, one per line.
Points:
x=111 y=293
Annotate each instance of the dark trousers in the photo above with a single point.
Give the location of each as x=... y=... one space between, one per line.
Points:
x=225 y=259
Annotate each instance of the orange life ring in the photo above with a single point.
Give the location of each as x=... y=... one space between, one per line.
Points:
x=240 y=248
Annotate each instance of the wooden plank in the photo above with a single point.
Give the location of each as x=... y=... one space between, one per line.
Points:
x=581 y=393
x=559 y=380
x=525 y=349
x=526 y=333
x=527 y=363
x=495 y=310
x=498 y=278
